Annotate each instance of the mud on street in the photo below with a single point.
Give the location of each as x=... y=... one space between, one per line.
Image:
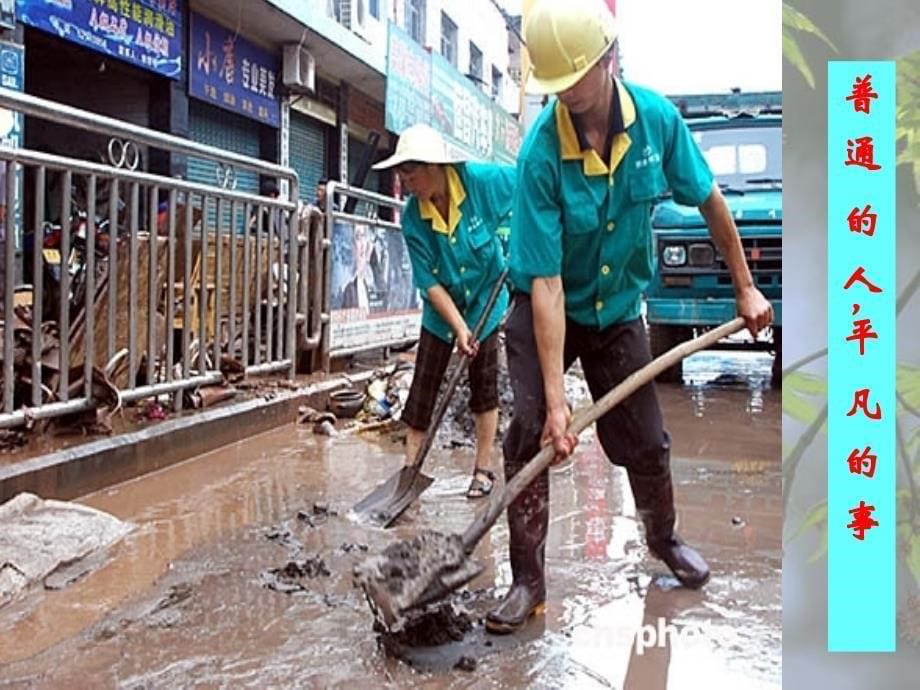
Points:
x=239 y=570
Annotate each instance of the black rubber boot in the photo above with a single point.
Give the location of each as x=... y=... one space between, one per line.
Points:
x=528 y=522
x=654 y=496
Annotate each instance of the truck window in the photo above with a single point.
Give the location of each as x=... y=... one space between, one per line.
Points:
x=739 y=154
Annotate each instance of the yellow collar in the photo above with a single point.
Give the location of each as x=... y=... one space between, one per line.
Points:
x=456 y=193
x=592 y=163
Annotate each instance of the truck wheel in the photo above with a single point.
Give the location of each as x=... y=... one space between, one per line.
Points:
x=662 y=338
x=776 y=378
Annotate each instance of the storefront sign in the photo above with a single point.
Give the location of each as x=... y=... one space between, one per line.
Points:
x=8 y=14
x=374 y=302
x=427 y=88
x=459 y=110
x=408 y=81
x=228 y=71
x=146 y=33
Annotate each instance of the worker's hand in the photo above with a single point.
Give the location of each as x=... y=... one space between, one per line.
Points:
x=466 y=344
x=555 y=434
x=755 y=308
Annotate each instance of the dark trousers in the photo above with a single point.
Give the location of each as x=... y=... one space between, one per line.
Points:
x=631 y=434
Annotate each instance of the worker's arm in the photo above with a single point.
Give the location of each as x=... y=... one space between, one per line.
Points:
x=440 y=299
x=752 y=305
x=548 y=303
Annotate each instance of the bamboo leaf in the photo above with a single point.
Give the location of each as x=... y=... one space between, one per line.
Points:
x=822 y=547
x=908 y=384
x=908 y=122
x=798 y=21
x=805 y=384
x=913 y=556
x=792 y=53
x=799 y=408
x=815 y=516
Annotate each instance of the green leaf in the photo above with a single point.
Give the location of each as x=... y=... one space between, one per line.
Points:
x=799 y=408
x=913 y=443
x=798 y=21
x=908 y=113
x=908 y=384
x=816 y=515
x=795 y=21
x=822 y=547
x=805 y=384
x=793 y=53
x=913 y=556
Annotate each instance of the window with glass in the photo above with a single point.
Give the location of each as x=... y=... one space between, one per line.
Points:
x=448 y=39
x=496 y=83
x=415 y=20
x=475 y=63
x=743 y=156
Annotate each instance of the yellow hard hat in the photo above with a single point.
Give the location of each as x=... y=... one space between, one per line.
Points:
x=566 y=38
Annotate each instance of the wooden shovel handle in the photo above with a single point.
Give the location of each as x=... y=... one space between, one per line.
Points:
x=585 y=418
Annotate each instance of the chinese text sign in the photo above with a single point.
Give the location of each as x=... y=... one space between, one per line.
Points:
x=231 y=73
x=861 y=356
x=146 y=33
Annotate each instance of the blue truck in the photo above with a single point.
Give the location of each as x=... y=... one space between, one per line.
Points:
x=741 y=136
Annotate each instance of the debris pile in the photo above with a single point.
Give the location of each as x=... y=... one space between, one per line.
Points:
x=410 y=573
x=104 y=392
x=316 y=515
x=458 y=429
x=439 y=625
x=293 y=575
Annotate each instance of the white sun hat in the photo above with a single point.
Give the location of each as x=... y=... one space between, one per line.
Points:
x=423 y=144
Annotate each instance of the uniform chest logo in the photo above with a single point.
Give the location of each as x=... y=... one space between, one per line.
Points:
x=649 y=157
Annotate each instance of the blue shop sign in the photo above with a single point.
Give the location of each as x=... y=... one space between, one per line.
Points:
x=230 y=72
x=146 y=33
x=11 y=66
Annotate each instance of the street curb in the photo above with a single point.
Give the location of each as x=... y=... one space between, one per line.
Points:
x=82 y=469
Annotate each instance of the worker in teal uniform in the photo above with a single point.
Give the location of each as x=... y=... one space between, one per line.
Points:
x=591 y=167
x=451 y=227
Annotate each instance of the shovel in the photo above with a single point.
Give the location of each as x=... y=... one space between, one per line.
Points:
x=409 y=574
x=388 y=501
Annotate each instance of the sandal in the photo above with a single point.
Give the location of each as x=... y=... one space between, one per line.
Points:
x=480 y=488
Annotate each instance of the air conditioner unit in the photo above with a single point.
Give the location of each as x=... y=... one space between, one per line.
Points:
x=358 y=16
x=298 y=69
x=353 y=15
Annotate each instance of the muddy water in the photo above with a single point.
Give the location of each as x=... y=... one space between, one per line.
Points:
x=182 y=600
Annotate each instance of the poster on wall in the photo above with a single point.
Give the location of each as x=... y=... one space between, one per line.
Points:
x=229 y=72
x=373 y=299
x=145 y=33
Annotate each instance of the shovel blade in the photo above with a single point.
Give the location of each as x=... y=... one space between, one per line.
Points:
x=447 y=582
x=390 y=499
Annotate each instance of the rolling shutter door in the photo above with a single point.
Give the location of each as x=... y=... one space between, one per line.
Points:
x=224 y=130
x=307 y=153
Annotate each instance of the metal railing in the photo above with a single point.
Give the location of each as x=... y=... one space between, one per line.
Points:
x=151 y=284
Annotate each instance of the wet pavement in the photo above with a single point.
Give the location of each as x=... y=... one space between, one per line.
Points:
x=190 y=597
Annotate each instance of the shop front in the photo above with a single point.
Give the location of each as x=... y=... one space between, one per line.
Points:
x=233 y=101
